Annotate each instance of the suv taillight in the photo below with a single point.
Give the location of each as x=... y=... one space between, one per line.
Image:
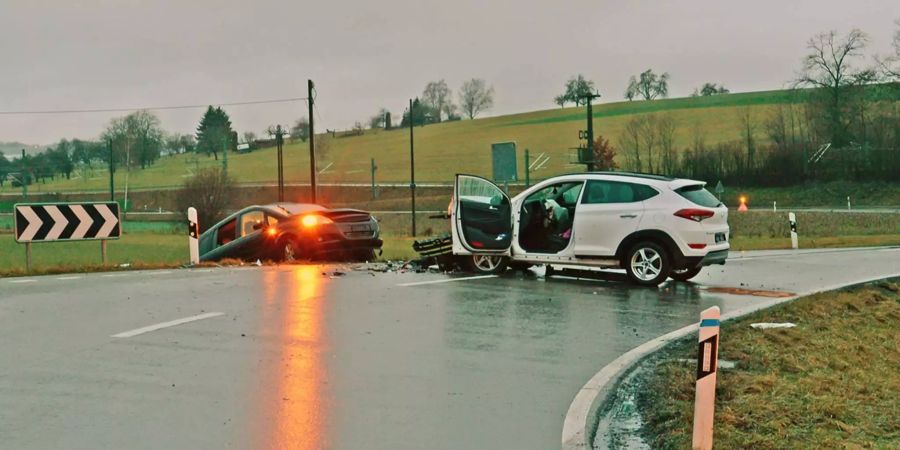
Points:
x=695 y=214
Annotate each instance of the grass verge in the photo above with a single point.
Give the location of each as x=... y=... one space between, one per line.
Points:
x=830 y=382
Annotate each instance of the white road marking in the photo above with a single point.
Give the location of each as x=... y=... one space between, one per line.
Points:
x=68 y=278
x=171 y=323
x=113 y=274
x=160 y=272
x=28 y=280
x=446 y=280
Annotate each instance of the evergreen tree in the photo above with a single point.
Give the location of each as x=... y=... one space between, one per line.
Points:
x=214 y=134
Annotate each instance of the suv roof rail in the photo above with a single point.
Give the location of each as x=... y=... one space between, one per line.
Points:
x=649 y=176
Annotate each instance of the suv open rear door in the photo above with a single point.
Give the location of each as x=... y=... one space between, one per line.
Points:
x=481 y=217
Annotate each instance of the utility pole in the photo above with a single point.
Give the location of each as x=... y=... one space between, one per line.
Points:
x=279 y=143
x=374 y=188
x=25 y=177
x=112 y=183
x=310 y=87
x=590 y=129
x=412 y=167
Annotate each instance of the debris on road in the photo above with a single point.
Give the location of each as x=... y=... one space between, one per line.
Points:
x=769 y=325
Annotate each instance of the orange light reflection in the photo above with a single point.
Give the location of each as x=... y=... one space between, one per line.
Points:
x=301 y=415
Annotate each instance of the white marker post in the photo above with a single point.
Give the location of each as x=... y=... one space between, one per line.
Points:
x=774 y=206
x=848 y=203
x=793 y=221
x=707 y=362
x=193 y=235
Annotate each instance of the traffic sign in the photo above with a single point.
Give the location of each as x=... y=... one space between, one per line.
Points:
x=720 y=188
x=43 y=222
x=503 y=156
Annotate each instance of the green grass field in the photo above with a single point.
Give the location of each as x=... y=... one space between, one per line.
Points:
x=830 y=382
x=450 y=147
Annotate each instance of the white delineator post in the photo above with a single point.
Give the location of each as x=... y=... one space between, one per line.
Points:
x=193 y=235
x=793 y=221
x=707 y=362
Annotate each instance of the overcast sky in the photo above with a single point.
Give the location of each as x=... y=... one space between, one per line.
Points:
x=365 y=54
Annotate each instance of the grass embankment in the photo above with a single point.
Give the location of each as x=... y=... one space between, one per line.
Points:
x=830 y=382
x=450 y=147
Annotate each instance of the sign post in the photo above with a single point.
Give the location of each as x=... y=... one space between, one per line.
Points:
x=193 y=236
x=793 y=221
x=720 y=189
x=707 y=362
x=55 y=222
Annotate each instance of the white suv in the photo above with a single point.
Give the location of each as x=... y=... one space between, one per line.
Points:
x=652 y=226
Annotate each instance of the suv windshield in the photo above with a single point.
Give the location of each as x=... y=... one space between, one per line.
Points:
x=697 y=194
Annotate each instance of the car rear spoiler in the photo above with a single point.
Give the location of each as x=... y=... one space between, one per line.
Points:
x=678 y=184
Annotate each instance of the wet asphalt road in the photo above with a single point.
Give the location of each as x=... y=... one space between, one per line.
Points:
x=303 y=360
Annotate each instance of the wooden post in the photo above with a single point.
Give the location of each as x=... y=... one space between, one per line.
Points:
x=28 y=257
x=707 y=363
x=103 y=250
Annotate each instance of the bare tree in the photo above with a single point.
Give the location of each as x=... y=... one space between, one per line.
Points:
x=577 y=90
x=475 y=96
x=300 y=130
x=648 y=85
x=439 y=98
x=249 y=137
x=210 y=191
x=748 y=129
x=665 y=135
x=829 y=66
x=630 y=141
x=890 y=65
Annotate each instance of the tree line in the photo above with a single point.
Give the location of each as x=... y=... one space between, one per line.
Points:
x=841 y=121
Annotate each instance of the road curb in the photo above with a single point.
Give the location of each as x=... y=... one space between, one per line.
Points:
x=581 y=418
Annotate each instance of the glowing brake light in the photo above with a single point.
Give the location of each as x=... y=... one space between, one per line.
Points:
x=271 y=231
x=695 y=214
x=314 y=220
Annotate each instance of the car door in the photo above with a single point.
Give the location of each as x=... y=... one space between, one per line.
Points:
x=249 y=242
x=223 y=243
x=481 y=217
x=609 y=211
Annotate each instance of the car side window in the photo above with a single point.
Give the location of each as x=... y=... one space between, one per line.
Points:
x=249 y=222
x=602 y=191
x=226 y=232
x=271 y=220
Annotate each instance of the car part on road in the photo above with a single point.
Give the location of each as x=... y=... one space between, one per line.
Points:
x=685 y=274
x=647 y=264
x=487 y=264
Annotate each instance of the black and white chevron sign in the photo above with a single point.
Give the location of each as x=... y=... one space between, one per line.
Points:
x=39 y=222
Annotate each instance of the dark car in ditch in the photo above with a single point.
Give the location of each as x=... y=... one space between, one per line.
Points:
x=292 y=231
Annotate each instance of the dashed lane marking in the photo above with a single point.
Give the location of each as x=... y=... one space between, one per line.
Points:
x=171 y=323
x=446 y=280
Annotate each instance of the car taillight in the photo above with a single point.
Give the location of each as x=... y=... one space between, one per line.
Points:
x=314 y=220
x=695 y=214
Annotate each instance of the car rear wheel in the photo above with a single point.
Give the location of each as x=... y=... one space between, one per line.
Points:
x=487 y=264
x=684 y=274
x=647 y=264
x=289 y=250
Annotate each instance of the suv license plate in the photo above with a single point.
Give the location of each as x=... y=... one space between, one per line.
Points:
x=720 y=237
x=359 y=228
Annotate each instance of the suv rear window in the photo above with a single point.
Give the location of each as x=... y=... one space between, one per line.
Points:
x=698 y=195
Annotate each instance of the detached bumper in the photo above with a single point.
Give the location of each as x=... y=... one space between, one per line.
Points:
x=716 y=257
x=343 y=245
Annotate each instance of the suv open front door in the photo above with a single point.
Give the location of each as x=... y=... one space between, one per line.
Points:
x=481 y=217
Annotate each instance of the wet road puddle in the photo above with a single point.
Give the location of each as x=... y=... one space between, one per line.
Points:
x=753 y=292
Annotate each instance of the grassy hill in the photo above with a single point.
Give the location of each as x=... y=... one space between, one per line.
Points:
x=451 y=147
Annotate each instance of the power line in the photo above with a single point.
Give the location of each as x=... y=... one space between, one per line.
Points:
x=151 y=108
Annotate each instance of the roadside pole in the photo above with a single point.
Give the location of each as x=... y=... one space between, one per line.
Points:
x=103 y=258
x=527 y=174
x=112 y=186
x=28 y=257
x=412 y=167
x=25 y=178
x=374 y=188
x=793 y=222
x=310 y=87
x=193 y=236
x=848 y=203
x=707 y=362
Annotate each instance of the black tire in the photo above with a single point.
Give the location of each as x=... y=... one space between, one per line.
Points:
x=647 y=264
x=289 y=250
x=684 y=274
x=366 y=255
x=487 y=264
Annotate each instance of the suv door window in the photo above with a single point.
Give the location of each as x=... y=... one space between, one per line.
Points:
x=226 y=232
x=602 y=191
x=546 y=218
x=250 y=221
